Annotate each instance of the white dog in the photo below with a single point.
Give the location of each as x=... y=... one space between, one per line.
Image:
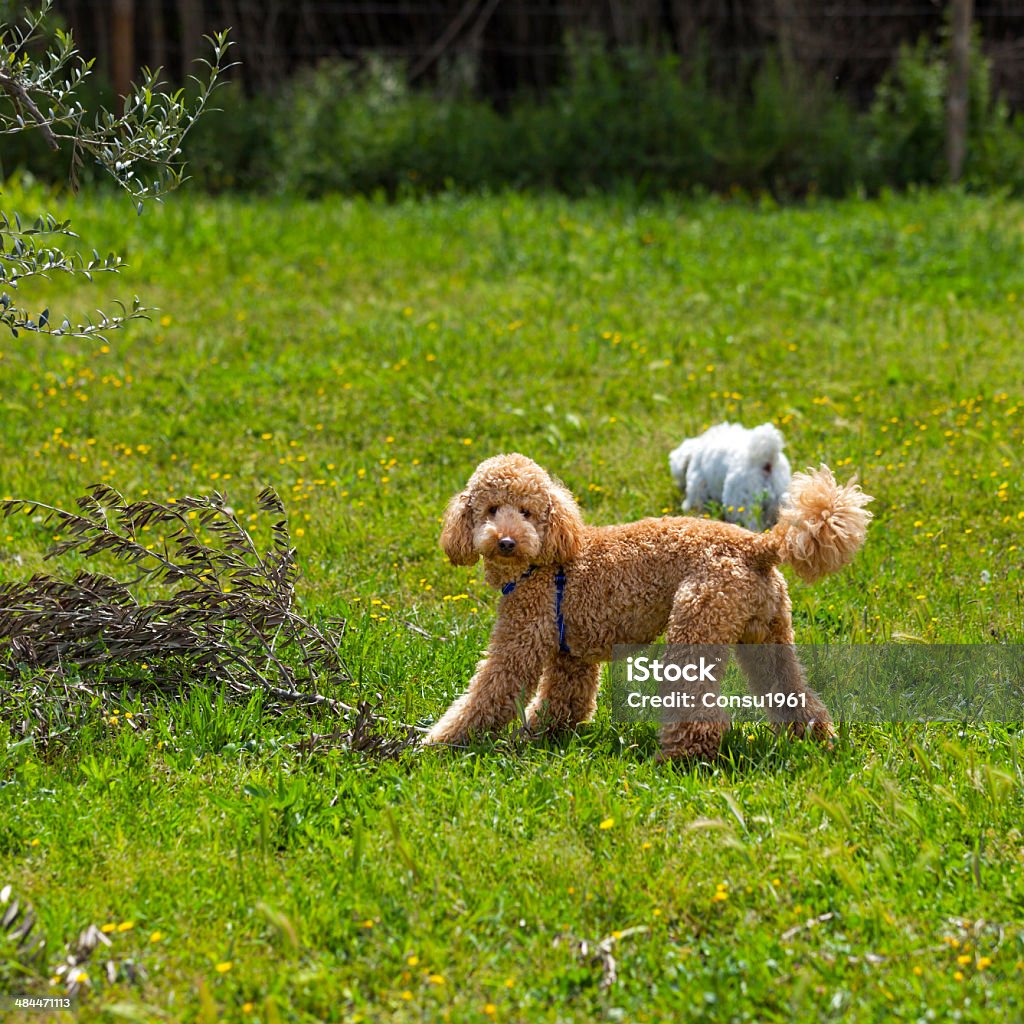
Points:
x=742 y=470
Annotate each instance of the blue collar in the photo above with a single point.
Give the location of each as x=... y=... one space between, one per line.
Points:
x=507 y=589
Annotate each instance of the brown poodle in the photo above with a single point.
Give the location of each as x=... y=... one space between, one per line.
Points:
x=570 y=592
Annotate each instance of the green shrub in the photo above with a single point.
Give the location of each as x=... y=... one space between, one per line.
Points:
x=995 y=156
x=907 y=119
x=234 y=147
x=631 y=118
x=627 y=117
x=788 y=135
x=907 y=123
x=343 y=129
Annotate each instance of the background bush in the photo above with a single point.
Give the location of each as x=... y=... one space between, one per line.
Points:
x=631 y=118
x=906 y=124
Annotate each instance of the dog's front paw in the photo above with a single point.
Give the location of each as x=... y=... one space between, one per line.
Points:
x=442 y=735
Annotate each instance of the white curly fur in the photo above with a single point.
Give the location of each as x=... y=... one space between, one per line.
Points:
x=745 y=471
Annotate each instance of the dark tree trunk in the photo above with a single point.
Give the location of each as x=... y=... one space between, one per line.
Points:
x=122 y=45
x=959 y=86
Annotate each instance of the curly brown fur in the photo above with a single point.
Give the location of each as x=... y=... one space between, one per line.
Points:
x=697 y=581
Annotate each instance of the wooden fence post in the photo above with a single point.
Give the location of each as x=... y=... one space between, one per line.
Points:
x=122 y=45
x=959 y=86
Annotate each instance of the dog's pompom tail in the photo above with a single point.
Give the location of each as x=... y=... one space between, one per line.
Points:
x=822 y=525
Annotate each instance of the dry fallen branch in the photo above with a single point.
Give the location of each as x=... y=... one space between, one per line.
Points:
x=87 y=950
x=226 y=610
x=368 y=733
x=17 y=922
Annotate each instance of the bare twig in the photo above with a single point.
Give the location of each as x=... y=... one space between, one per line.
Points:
x=813 y=922
x=599 y=954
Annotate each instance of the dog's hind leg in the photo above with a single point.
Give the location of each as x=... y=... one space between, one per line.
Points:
x=699 y=627
x=697 y=491
x=567 y=694
x=773 y=670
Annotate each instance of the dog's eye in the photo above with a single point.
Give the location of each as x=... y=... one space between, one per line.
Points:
x=525 y=513
x=493 y=510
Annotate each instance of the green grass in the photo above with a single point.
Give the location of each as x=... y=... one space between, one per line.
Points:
x=362 y=358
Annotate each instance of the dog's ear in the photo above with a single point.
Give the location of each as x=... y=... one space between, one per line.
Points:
x=564 y=536
x=457 y=531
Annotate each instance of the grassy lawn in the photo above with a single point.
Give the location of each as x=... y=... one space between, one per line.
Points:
x=362 y=359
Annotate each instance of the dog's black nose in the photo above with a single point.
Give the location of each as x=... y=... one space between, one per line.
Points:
x=506 y=545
